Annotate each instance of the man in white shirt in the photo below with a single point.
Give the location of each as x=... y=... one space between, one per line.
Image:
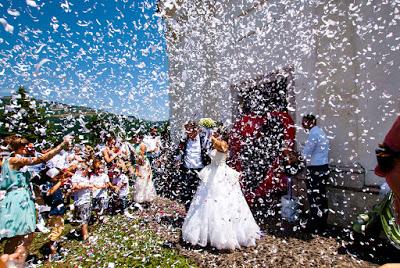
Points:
x=193 y=156
x=315 y=152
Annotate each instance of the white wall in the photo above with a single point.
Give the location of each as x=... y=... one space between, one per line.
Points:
x=378 y=54
x=346 y=65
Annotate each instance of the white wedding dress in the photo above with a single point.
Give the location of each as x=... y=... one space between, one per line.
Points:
x=144 y=186
x=219 y=215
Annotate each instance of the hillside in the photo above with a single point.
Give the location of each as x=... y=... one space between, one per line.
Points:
x=58 y=110
x=87 y=123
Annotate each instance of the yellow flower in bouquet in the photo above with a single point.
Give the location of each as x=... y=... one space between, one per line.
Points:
x=207 y=123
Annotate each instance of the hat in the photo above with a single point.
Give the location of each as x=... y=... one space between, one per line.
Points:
x=53 y=172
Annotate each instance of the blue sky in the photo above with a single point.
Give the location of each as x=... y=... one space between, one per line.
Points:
x=104 y=54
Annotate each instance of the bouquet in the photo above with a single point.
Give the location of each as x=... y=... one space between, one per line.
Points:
x=207 y=123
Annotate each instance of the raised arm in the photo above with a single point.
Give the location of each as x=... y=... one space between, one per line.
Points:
x=109 y=158
x=19 y=162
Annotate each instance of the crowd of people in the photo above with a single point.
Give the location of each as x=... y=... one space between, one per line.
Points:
x=96 y=182
x=92 y=182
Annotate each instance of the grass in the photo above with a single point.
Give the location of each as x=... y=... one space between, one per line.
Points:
x=119 y=243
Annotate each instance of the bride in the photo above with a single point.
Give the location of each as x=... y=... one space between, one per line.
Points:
x=219 y=214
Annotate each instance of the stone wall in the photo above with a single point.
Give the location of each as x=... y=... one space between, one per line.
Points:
x=346 y=192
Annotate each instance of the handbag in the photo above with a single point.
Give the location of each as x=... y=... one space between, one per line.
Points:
x=290 y=205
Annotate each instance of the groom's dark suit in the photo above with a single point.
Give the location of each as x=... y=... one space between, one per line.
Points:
x=189 y=178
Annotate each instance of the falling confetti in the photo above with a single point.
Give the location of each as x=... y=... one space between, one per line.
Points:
x=96 y=69
x=7 y=27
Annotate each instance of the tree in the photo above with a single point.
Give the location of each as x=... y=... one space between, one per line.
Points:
x=96 y=127
x=23 y=115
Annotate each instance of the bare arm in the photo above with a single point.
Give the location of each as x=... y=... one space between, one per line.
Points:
x=54 y=188
x=81 y=186
x=107 y=156
x=19 y=162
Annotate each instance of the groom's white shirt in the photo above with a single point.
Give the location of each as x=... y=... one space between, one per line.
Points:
x=193 y=153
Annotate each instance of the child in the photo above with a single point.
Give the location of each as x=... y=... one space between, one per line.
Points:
x=82 y=188
x=219 y=214
x=54 y=197
x=101 y=182
x=144 y=187
x=121 y=186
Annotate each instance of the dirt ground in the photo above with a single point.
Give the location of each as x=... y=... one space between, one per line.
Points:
x=281 y=246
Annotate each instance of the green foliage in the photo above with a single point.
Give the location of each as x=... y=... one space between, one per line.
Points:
x=119 y=241
x=102 y=124
x=40 y=120
x=22 y=115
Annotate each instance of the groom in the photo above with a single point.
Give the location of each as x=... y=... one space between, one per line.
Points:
x=193 y=154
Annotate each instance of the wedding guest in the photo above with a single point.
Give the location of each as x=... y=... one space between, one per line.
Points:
x=135 y=142
x=34 y=169
x=18 y=222
x=89 y=153
x=82 y=188
x=100 y=182
x=120 y=184
x=111 y=152
x=144 y=186
x=127 y=157
x=274 y=144
x=153 y=144
x=60 y=161
x=76 y=156
x=53 y=194
x=315 y=152
x=137 y=149
x=37 y=180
